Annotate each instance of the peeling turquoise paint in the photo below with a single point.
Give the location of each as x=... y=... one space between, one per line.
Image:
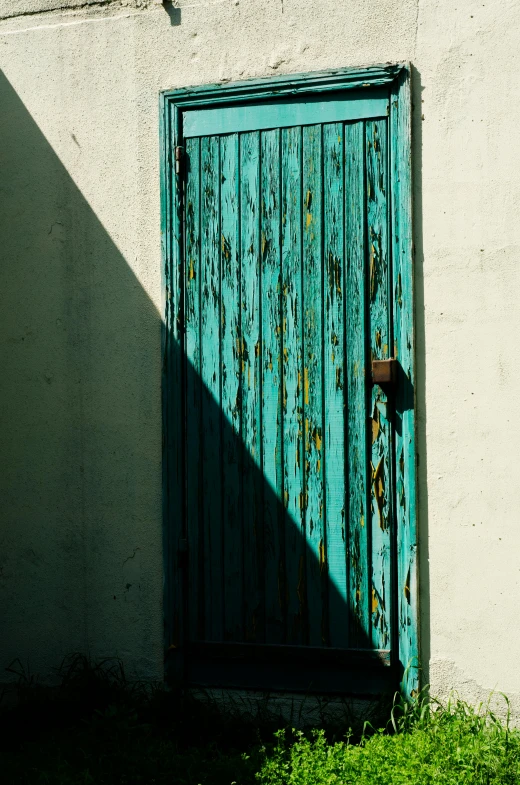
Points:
x=289 y=477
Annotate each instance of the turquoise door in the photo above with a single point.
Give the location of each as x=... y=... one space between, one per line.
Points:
x=288 y=570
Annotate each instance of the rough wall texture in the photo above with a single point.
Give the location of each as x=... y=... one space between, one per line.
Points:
x=13 y=8
x=81 y=551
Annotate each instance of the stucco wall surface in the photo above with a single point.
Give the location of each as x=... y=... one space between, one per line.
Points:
x=12 y=8
x=80 y=400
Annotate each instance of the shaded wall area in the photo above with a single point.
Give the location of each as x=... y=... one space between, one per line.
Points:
x=80 y=420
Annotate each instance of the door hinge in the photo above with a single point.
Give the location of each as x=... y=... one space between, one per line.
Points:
x=179 y=153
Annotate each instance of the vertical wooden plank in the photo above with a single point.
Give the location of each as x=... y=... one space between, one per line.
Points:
x=249 y=350
x=379 y=339
x=230 y=375
x=275 y=595
x=211 y=399
x=193 y=388
x=313 y=497
x=356 y=380
x=404 y=351
x=292 y=391
x=176 y=407
x=173 y=463
x=333 y=360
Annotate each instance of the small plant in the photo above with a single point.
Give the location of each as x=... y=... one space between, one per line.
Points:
x=424 y=742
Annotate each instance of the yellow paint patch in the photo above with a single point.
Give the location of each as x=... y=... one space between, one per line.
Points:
x=375 y=603
x=372 y=272
x=309 y=220
x=407 y=592
x=306 y=385
x=376 y=426
x=379 y=490
x=317 y=439
x=322 y=555
x=191 y=274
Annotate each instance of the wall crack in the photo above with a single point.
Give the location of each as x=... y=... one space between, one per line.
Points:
x=132 y=556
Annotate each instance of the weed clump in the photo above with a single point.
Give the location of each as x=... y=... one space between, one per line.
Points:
x=424 y=742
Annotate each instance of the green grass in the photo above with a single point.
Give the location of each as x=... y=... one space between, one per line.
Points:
x=453 y=744
x=98 y=729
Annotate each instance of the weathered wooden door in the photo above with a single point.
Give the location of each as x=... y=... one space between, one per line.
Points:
x=288 y=565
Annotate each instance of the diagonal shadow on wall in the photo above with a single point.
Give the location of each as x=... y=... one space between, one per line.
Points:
x=80 y=410
x=81 y=480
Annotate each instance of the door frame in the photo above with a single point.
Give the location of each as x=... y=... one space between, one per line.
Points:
x=397 y=79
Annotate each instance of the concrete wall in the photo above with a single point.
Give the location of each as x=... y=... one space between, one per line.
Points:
x=80 y=549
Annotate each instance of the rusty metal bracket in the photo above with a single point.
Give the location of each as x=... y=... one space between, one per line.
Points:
x=384 y=371
x=179 y=153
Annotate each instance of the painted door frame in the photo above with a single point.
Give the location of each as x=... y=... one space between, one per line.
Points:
x=397 y=79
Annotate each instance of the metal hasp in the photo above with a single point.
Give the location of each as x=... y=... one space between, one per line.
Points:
x=384 y=371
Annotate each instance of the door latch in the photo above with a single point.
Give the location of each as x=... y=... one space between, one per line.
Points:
x=384 y=371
